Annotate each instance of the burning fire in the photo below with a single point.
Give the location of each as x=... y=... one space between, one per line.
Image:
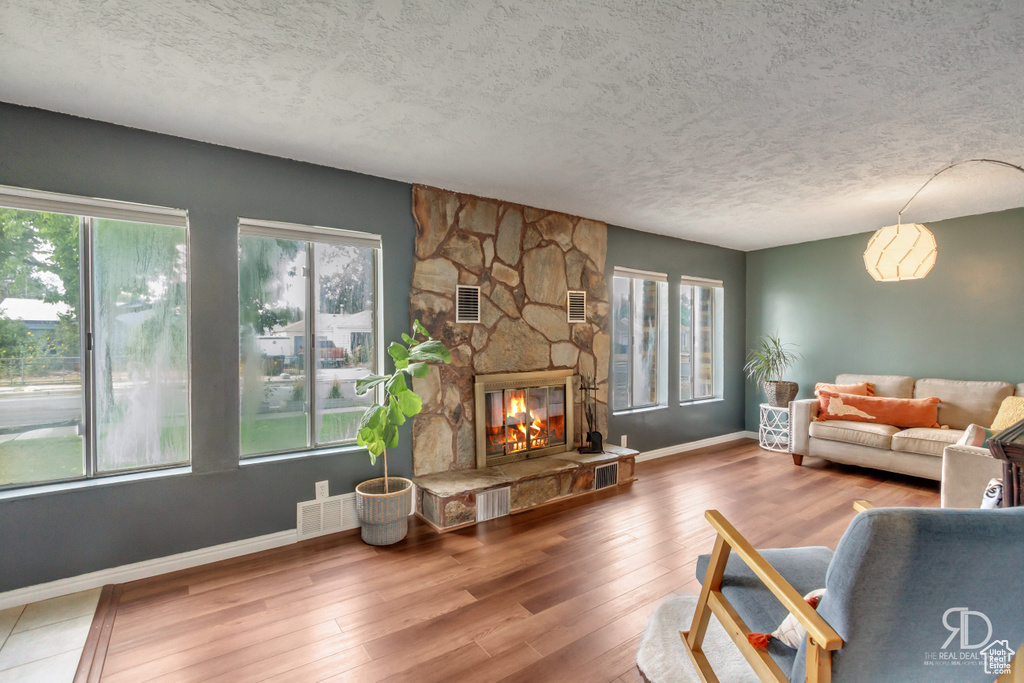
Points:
x=522 y=433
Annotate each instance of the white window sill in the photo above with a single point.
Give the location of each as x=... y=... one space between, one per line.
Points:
x=634 y=411
x=702 y=401
x=30 y=491
x=296 y=455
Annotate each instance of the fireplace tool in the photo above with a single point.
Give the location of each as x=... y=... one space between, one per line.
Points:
x=588 y=401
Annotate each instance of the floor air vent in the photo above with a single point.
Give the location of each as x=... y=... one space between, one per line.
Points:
x=326 y=516
x=492 y=504
x=606 y=475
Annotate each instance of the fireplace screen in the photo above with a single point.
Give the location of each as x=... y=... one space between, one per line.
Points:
x=522 y=418
x=525 y=419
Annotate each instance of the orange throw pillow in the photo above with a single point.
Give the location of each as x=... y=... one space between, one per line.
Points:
x=860 y=389
x=898 y=412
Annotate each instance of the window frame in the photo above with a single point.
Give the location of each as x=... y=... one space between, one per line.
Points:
x=717 y=288
x=87 y=210
x=661 y=339
x=313 y=235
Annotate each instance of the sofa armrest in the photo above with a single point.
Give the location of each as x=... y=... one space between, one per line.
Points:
x=801 y=414
x=966 y=471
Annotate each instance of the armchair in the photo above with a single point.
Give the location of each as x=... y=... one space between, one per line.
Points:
x=966 y=471
x=899 y=585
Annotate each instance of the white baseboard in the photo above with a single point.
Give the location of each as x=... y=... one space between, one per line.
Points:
x=145 y=569
x=694 y=445
x=160 y=565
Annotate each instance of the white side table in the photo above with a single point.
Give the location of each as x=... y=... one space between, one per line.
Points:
x=773 y=432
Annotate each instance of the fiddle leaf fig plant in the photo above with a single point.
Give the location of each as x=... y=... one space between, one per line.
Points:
x=378 y=428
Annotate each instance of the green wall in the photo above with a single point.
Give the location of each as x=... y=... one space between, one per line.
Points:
x=964 y=321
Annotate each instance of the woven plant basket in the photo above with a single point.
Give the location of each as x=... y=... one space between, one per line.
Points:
x=780 y=393
x=384 y=517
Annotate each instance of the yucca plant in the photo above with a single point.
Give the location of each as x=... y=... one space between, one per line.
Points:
x=767 y=363
x=770 y=359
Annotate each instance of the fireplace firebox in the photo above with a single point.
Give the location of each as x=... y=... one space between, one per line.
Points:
x=523 y=415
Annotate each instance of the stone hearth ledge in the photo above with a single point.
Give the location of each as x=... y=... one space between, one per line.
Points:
x=448 y=499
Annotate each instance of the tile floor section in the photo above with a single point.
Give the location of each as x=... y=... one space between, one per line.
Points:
x=43 y=642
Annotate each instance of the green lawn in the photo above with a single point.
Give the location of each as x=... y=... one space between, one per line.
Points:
x=29 y=460
x=25 y=461
x=274 y=434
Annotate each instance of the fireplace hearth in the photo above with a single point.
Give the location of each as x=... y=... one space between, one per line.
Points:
x=523 y=415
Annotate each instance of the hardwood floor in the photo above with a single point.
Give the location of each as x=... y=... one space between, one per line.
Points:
x=560 y=593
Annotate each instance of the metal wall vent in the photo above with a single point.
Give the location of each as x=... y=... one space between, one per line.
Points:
x=576 y=306
x=606 y=475
x=467 y=304
x=326 y=516
x=493 y=503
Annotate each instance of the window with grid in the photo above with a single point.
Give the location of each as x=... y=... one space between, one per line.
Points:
x=700 y=302
x=309 y=324
x=639 y=339
x=94 y=343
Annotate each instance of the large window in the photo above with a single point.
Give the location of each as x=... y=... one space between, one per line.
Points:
x=639 y=339
x=309 y=323
x=93 y=337
x=699 y=354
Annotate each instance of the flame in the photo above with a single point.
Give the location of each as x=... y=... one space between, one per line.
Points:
x=522 y=433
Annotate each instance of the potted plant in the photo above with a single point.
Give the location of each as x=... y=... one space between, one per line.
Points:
x=767 y=363
x=383 y=504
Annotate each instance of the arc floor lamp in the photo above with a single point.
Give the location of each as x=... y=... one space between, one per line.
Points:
x=907 y=252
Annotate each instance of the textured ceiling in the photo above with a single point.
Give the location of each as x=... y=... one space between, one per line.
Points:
x=736 y=123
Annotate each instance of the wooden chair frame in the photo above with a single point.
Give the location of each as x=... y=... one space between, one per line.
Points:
x=822 y=640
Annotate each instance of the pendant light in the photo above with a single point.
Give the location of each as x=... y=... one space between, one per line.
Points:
x=908 y=252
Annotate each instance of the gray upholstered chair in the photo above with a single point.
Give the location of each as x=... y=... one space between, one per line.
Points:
x=910 y=595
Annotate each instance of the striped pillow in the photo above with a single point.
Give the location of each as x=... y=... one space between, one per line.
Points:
x=976 y=435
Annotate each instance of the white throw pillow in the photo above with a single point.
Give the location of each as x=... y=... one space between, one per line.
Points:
x=791 y=632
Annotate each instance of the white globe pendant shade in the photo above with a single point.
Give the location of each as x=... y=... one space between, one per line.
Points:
x=900 y=252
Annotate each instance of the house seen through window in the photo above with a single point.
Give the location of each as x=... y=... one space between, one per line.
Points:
x=298 y=284
x=93 y=338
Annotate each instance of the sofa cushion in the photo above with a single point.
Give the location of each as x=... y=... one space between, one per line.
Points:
x=859 y=433
x=964 y=402
x=925 y=441
x=860 y=389
x=1010 y=413
x=899 y=412
x=977 y=436
x=892 y=386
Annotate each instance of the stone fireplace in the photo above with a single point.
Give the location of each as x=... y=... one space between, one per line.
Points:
x=499 y=429
x=524 y=260
x=523 y=415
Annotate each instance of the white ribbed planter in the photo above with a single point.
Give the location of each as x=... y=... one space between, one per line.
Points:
x=384 y=517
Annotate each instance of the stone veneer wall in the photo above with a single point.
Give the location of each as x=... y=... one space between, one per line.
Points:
x=524 y=260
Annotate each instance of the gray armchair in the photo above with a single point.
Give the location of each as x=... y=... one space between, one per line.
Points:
x=909 y=592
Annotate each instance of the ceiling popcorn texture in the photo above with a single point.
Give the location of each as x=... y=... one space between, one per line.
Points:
x=736 y=123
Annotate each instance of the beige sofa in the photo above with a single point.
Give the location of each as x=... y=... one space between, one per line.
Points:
x=921 y=452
